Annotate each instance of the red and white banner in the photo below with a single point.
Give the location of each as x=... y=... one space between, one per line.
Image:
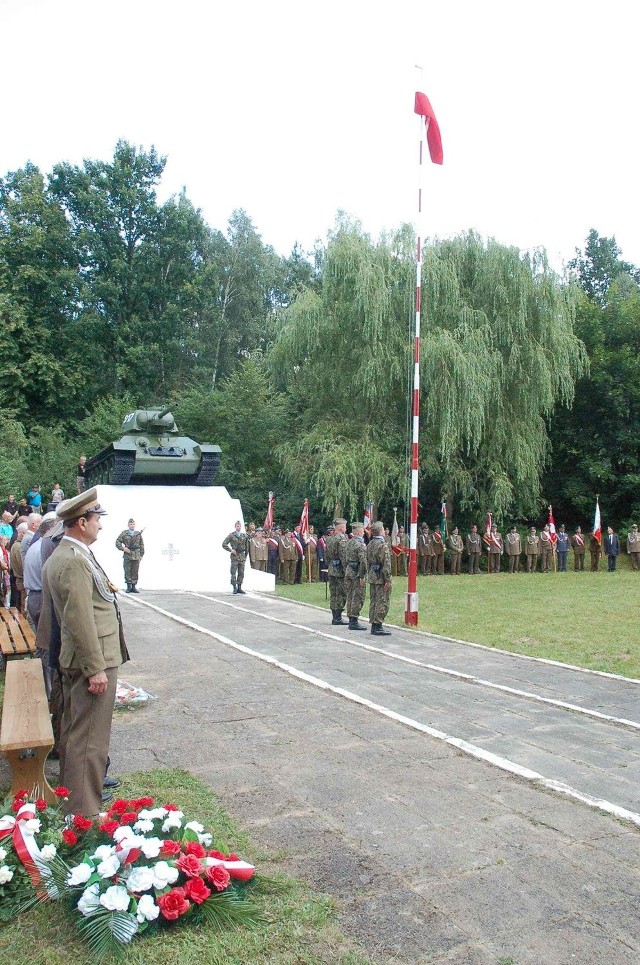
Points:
x=552 y=528
x=24 y=841
x=304 y=520
x=268 y=520
x=597 y=523
x=488 y=535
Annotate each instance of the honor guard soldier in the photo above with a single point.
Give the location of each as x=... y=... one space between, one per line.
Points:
x=595 y=548
x=474 y=549
x=496 y=549
x=633 y=547
x=259 y=551
x=546 y=550
x=131 y=544
x=532 y=549
x=379 y=577
x=355 y=571
x=514 y=549
x=425 y=550
x=455 y=548
x=336 y=548
x=579 y=546
x=237 y=543
x=439 y=551
x=288 y=552
x=562 y=548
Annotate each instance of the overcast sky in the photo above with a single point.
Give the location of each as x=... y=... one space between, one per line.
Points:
x=293 y=110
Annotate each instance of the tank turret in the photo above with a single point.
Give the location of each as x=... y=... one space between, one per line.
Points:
x=151 y=452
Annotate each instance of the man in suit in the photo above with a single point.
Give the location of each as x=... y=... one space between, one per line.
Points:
x=91 y=650
x=611 y=548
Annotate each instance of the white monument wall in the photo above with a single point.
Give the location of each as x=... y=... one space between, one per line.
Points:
x=183 y=529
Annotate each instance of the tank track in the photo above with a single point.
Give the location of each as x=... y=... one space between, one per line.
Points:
x=208 y=469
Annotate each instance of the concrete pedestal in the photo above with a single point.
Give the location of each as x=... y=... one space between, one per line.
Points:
x=184 y=527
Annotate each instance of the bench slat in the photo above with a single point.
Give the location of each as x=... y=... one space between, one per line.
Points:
x=16 y=636
x=25 y=711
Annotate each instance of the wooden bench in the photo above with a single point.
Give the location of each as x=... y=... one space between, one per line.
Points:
x=26 y=735
x=16 y=636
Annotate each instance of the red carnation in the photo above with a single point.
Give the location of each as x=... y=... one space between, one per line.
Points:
x=142 y=802
x=196 y=889
x=129 y=818
x=69 y=837
x=17 y=804
x=41 y=804
x=171 y=807
x=218 y=876
x=80 y=823
x=173 y=904
x=119 y=806
x=20 y=794
x=169 y=849
x=108 y=827
x=217 y=854
x=61 y=791
x=193 y=847
x=232 y=857
x=189 y=865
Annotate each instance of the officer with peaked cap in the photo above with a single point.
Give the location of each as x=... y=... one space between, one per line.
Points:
x=92 y=648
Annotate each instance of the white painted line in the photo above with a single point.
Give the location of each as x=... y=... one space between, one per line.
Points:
x=538 y=780
x=413 y=632
x=434 y=668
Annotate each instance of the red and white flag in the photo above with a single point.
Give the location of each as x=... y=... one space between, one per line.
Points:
x=268 y=520
x=488 y=536
x=597 y=524
x=553 y=536
x=304 y=520
x=434 y=140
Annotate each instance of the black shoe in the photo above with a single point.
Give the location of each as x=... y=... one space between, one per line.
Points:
x=110 y=783
x=378 y=630
x=128 y=590
x=354 y=625
x=106 y=797
x=337 y=619
x=133 y=588
x=240 y=590
x=235 y=588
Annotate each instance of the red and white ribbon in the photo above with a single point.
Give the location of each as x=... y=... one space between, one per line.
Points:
x=24 y=841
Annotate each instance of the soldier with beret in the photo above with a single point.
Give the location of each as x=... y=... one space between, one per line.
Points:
x=237 y=544
x=131 y=544
x=355 y=571
x=633 y=547
x=578 y=544
x=92 y=648
x=379 y=577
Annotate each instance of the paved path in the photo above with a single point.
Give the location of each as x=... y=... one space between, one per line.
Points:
x=385 y=775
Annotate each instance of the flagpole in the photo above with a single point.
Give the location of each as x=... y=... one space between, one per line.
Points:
x=411 y=601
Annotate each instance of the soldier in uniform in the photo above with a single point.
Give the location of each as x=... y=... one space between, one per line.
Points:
x=237 y=543
x=336 y=548
x=514 y=549
x=403 y=543
x=496 y=549
x=439 y=551
x=311 y=553
x=355 y=571
x=562 y=547
x=425 y=550
x=532 y=550
x=595 y=548
x=633 y=547
x=288 y=552
x=546 y=550
x=259 y=551
x=323 y=564
x=92 y=648
x=273 y=541
x=474 y=549
x=379 y=576
x=578 y=544
x=131 y=544
x=455 y=548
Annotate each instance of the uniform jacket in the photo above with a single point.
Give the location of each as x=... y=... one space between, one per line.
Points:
x=85 y=609
x=134 y=544
x=237 y=541
x=474 y=544
x=514 y=547
x=532 y=546
x=378 y=561
x=579 y=543
x=633 y=544
x=355 y=559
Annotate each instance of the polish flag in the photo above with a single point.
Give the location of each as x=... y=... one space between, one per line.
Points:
x=552 y=528
x=304 y=520
x=597 y=524
x=268 y=520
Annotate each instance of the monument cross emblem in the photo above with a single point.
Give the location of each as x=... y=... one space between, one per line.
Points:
x=171 y=551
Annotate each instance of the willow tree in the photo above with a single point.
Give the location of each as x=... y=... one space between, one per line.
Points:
x=341 y=351
x=499 y=354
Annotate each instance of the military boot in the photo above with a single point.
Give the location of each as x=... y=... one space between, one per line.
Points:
x=378 y=630
x=354 y=625
x=128 y=588
x=337 y=619
x=235 y=588
x=134 y=589
x=240 y=590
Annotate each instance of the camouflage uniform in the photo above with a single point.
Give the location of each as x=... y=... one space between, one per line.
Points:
x=131 y=560
x=335 y=556
x=379 y=575
x=239 y=542
x=355 y=571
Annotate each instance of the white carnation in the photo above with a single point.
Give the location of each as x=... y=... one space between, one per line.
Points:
x=206 y=840
x=103 y=851
x=80 y=874
x=173 y=821
x=3 y=854
x=154 y=814
x=109 y=867
x=115 y=898
x=89 y=900
x=151 y=847
x=147 y=909
x=6 y=874
x=48 y=852
x=143 y=825
x=32 y=825
x=140 y=879
x=195 y=826
x=163 y=875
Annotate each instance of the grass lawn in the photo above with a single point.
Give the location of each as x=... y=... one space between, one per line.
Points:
x=300 y=927
x=588 y=619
